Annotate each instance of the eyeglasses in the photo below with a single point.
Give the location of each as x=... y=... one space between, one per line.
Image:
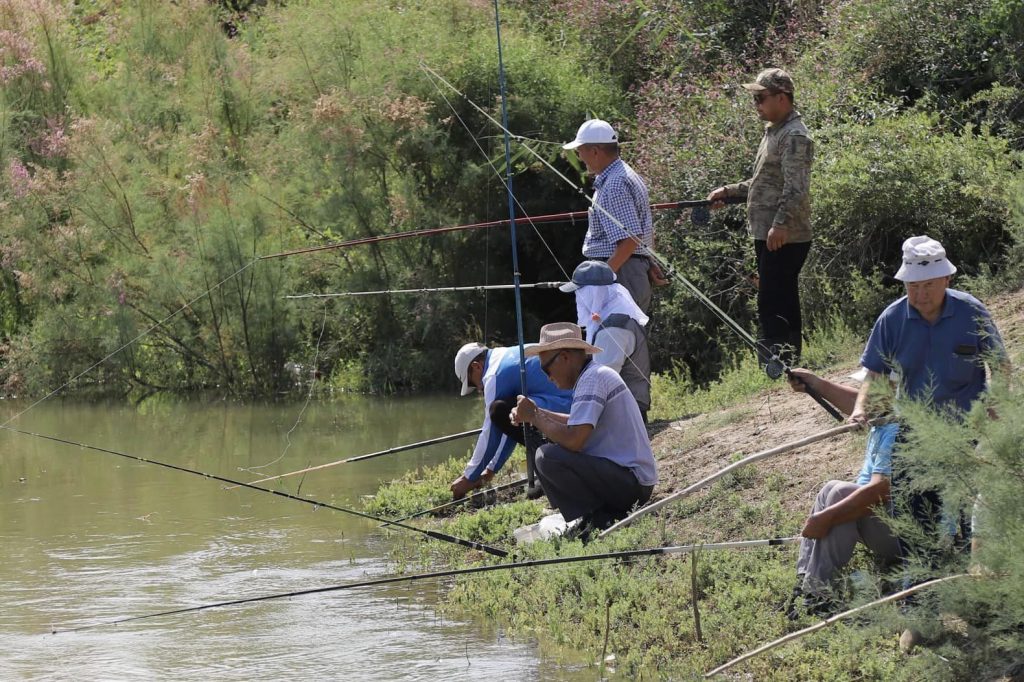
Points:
x=546 y=367
x=761 y=96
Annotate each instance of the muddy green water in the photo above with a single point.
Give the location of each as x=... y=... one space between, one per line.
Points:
x=87 y=537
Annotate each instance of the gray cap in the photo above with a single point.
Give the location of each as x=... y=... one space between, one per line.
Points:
x=590 y=273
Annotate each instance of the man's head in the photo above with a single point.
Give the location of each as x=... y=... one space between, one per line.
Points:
x=773 y=94
x=596 y=145
x=469 y=367
x=925 y=273
x=562 y=352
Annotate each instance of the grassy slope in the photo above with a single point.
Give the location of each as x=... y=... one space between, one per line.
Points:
x=647 y=604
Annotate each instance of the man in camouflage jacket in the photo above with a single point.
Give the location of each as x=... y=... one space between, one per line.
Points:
x=778 y=210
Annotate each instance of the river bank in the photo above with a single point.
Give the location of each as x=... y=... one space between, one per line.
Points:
x=636 y=618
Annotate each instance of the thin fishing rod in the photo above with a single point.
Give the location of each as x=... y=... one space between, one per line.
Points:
x=463 y=500
x=832 y=620
x=429 y=290
x=512 y=231
x=746 y=461
x=379 y=453
x=223 y=479
x=570 y=216
x=760 y=348
x=654 y=551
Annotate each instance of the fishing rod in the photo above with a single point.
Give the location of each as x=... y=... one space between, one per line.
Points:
x=697 y=217
x=430 y=290
x=223 y=479
x=704 y=482
x=380 y=453
x=530 y=467
x=831 y=621
x=463 y=500
x=774 y=364
x=654 y=551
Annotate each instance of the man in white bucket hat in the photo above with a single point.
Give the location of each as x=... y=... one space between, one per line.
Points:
x=598 y=464
x=620 y=227
x=933 y=342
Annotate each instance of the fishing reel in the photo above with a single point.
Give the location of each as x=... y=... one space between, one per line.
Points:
x=775 y=367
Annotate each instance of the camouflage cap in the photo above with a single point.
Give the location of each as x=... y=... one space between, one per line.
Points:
x=771 y=79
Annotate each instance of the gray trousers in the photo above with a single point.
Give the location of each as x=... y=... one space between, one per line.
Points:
x=578 y=484
x=820 y=559
x=633 y=275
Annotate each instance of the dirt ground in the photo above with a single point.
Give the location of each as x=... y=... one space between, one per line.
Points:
x=690 y=449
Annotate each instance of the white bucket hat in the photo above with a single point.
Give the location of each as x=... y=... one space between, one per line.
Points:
x=923 y=259
x=466 y=355
x=594 y=131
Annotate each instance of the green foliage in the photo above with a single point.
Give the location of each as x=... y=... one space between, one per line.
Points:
x=977 y=467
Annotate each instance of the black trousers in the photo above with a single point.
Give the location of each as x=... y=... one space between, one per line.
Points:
x=778 y=292
x=578 y=484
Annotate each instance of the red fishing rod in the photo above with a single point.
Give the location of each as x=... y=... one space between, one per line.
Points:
x=698 y=217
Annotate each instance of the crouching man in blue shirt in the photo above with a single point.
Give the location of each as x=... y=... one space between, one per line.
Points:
x=599 y=463
x=932 y=343
x=494 y=372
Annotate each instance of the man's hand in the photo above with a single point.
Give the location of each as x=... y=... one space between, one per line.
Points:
x=462 y=485
x=859 y=416
x=524 y=412
x=777 y=238
x=816 y=527
x=799 y=379
x=657 y=275
x=717 y=198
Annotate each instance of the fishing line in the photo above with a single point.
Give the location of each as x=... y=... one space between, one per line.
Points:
x=309 y=396
x=155 y=325
x=626 y=554
x=223 y=479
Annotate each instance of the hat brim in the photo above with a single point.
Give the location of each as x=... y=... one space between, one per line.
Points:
x=572 y=145
x=921 y=273
x=466 y=388
x=753 y=87
x=563 y=344
x=569 y=287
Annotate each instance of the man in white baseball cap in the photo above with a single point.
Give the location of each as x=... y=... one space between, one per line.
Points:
x=494 y=372
x=934 y=342
x=620 y=228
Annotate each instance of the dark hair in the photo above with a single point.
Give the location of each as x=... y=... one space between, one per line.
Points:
x=608 y=147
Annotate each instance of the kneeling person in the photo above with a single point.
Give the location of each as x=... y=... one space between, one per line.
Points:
x=599 y=463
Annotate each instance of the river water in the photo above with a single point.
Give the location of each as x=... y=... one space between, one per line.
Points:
x=88 y=537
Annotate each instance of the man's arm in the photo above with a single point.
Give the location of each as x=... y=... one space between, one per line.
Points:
x=554 y=425
x=857 y=505
x=843 y=397
x=623 y=250
x=718 y=196
x=860 y=412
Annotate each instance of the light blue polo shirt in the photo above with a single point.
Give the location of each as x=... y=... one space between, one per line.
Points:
x=601 y=399
x=940 y=362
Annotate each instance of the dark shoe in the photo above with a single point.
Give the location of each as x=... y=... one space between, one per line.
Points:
x=821 y=605
x=535 y=492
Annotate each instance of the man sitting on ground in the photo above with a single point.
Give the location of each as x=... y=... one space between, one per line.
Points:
x=598 y=464
x=495 y=373
x=615 y=323
x=933 y=342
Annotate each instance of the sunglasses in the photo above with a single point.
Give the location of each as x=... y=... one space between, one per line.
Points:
x=761 y=96
x=546 y=367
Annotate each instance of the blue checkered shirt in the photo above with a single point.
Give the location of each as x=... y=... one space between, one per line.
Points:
x=623 y=194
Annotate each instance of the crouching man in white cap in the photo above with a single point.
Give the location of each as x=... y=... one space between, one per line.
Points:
x=494 y=372
x=598 y=464
x=614 y=323
x=932 y=343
